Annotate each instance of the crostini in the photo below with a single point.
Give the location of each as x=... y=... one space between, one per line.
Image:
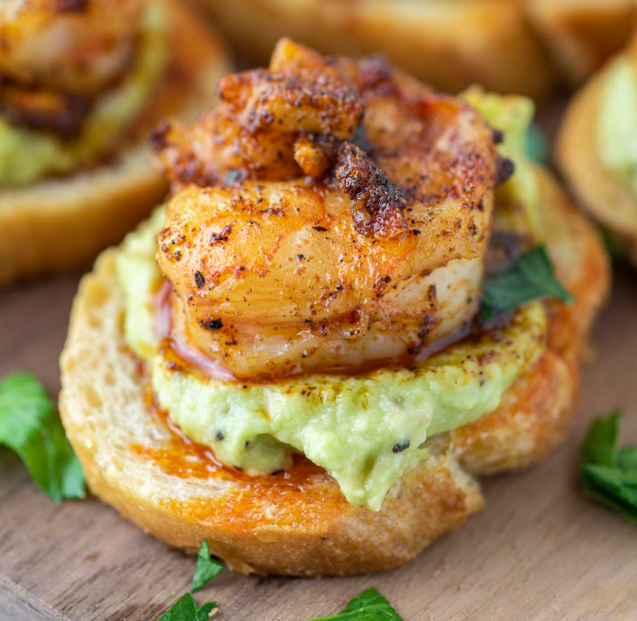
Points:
x=595 y=148
x=307 y=354
x=509 y=46
x=81 y=85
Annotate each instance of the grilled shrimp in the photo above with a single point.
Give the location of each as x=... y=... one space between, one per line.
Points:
x=332 y=216
x=263 y=116
x=74 y=46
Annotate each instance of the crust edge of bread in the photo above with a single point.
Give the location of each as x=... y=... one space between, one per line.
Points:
x=506 y=46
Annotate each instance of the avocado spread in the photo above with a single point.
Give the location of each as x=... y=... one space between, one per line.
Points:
x=511 y=115
x=365 y=430
x=27 y=156
x=617 y=125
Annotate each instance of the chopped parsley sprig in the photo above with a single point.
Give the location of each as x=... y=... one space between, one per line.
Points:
x=609 y=473
x=185 y=609
x=207 y=568
x=370 y=605
x=29 y=425
x=529 y=278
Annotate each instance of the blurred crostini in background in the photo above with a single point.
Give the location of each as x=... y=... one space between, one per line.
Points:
x=509 y=46
x=81 y=87
x=596 y=149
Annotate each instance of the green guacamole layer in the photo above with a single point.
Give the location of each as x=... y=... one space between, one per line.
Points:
x=512 y=115
x=617 y=124
x=365 y=430
x=27 y=156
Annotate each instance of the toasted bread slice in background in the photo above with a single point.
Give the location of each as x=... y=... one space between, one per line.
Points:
x=582 y=34
x=62 y=223
x=301 y=524
x=508 y=46
x=596 y=187
x=449 y=45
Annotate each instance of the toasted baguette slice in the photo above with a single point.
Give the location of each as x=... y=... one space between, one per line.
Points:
x=509 y=46
x=582 y=34
x=58 y=224
x=449 y=45
x=595 y=186
x=302 y=524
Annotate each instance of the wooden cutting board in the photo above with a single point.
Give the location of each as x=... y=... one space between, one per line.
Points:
x=538 y=551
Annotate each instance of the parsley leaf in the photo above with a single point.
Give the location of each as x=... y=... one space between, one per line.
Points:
x=205 y=612
x=530 y=278
x=601 y=440
x=627 y=458
x=185 y=609
x=609 y=474
x=368 y=606
x=29 y=426
x=207 y=568
x=536 y=146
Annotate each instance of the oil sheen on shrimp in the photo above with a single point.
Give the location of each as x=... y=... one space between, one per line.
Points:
x=74 y=46
x=331 y=215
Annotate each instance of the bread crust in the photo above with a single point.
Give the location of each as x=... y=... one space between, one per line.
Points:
x=60 y=224
x=450 y=45
x=509 y=46
x=594 y=185
x=302 y=525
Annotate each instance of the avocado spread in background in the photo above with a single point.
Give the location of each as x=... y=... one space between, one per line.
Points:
x=364 y=430
x=617 y=125
x=27 y=156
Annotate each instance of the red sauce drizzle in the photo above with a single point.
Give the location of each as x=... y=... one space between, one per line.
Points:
x=183 y=458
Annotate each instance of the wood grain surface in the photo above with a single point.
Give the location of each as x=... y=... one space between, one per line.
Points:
x=538 y=551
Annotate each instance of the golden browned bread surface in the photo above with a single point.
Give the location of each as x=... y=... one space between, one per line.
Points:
x=62 y=223
x=450 y=45
x=509 y=46
x=596 y=187
x=300 y=523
